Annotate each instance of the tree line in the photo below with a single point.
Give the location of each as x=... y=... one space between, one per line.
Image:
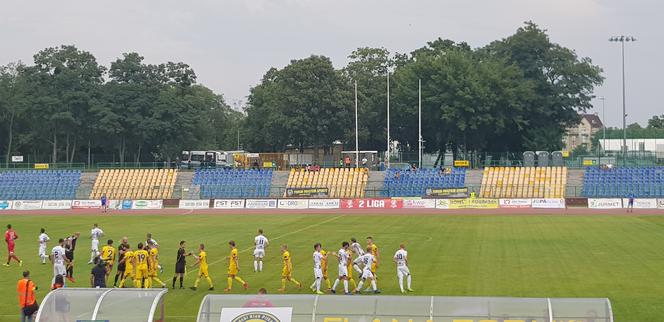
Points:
x=514 y=94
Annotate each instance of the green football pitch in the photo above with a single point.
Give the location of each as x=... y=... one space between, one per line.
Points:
x=619 y=257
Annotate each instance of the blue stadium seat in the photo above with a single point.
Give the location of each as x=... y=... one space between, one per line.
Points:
x=643 y=182
x=414 y=183
x=230 y=183
x=39 y=184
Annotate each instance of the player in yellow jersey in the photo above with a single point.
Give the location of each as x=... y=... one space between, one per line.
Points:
x=141 y=266
x=234 y=268
x=108 y=256
x=349 y=263
x=201 y=261
x=324 y=265
x=287 y=270
x=376 y=254
x=128 y=261
x=153 y=269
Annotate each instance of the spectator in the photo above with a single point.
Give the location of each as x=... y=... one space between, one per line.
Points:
x=397 y=175
x=26 y=297
x=413 y=167
x=341 y=163
x=58 y=283
x=98 y=274
x=260 y=300
x=364 y=162
x=347 y=161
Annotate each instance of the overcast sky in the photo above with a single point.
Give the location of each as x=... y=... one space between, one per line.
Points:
x=231 y=43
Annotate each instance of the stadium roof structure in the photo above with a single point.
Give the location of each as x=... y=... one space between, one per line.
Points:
x=313 y=308
x=94 y=304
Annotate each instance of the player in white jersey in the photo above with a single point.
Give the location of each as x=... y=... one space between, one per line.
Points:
x=43 y=239
x=342 y=257
x=357 y=249
x=318 y=269
x=261 y=244
x=59 y=260
x=95 y=234
x=366 y=260
x=401 y=259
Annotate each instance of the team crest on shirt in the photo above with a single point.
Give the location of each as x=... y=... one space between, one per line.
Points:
x=256 y=316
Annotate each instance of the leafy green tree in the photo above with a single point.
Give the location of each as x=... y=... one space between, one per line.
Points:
x=13 y=103
x=656 y=122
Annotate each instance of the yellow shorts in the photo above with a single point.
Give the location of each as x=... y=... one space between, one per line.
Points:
x=152 y=273
x=129 y=273
x=373 y=268
x=286 y=273
x=350 y=271
x=141 y=273
x=232 y=270
x=325 y=273
x=203 y=272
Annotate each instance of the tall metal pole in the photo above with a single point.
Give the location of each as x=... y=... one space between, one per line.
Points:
x=419 y=121
x=603 y=123
x=387 y=152
x=357 y=140
x=624 y=109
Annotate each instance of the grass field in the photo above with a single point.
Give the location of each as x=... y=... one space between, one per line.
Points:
x=619 y=257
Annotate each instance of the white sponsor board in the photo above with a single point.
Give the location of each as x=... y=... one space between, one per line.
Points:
x=515 y=203
x=27 y=204
x=6 y=205
x=660 y=203
x=324 y=203
x=419 y=203
x=551 y=203
x=86 y=204
x=257 y=313
x=442 y=203
x=56 y=204
x=613 y=203
x=194 y=204
x=293 y=204
x=17 y=158
x=147 y=204
x=640 y=203
x=261 y=203
x=228 y=203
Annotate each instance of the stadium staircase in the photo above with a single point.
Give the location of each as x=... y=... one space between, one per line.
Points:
x=524 y=182
x=87 y=183
x=642 y=182
x=39 y=184
x=574 y=186
x=340 y=182
x=184 y=187
x=375 y=185
x=279 y=181
x=474 y=180
x=405 y=183
x=135 y=184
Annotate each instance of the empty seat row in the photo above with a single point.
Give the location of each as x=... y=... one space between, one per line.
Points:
x=135 y=184
x=523 y=182
x=641 y=182
x=340 y=182
x=414 y=183
x=233 y=183
x=39 y=184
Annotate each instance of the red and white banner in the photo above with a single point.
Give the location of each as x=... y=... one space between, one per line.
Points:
x=27 y=204
x=371 y=203
x=516 y=203
x=293 y=204
x=614 y=203
x=56 y=204
x=86 y=204
x=324 y=203
x=557 y=203
x=641 y=203
x=228 y=203
x=419 y=203
x=194 y=204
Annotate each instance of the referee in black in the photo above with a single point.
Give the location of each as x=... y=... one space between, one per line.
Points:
x=122 y=249
x=180 y=264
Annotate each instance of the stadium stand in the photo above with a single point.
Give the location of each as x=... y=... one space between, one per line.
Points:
x=523 y=182
x=134 y=183
x=642 y=182
x=405 y=183
x=229 y=183
x=340 y=182
x=39 y=184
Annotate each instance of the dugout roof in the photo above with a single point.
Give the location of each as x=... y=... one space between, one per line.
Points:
x=116 y=304
x=361 y=308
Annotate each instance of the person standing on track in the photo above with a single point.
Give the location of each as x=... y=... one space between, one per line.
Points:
x=10 y=238
x=104 y=203
x=43 y=239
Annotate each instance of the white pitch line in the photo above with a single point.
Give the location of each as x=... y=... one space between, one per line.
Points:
x=275 y=238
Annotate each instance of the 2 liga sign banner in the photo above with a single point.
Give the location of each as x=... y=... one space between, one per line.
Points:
x=257 y=314
x=372 y=204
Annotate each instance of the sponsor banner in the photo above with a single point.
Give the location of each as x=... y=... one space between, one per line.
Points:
x=119 y=204
x=17 y=158
x=324 y=204
x=56 y=204
x=462 y=163
x=41 y=166
x=293 y=204
x=447 y=192
x=660 y=203
x=474 y=203
x=257 y=311
x=86 y=204
x=419 y=204
x=6 y=204
x=147 y=204
x=613 y=203
x=515 y=203
x=27 y=204
x=640 y=203
x=549 y=203
x=442 y=203
x=307 y=192
x=261 y=203
x=228 y=203
x=371 y=203
x=194 y=204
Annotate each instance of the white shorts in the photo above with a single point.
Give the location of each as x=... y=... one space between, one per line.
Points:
x=259 y=253
x=42 y=250
x=95 y=245
x=318 y=273
x=59 y=269
x=367 y=274
x=343 y=270
x=403 y=271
